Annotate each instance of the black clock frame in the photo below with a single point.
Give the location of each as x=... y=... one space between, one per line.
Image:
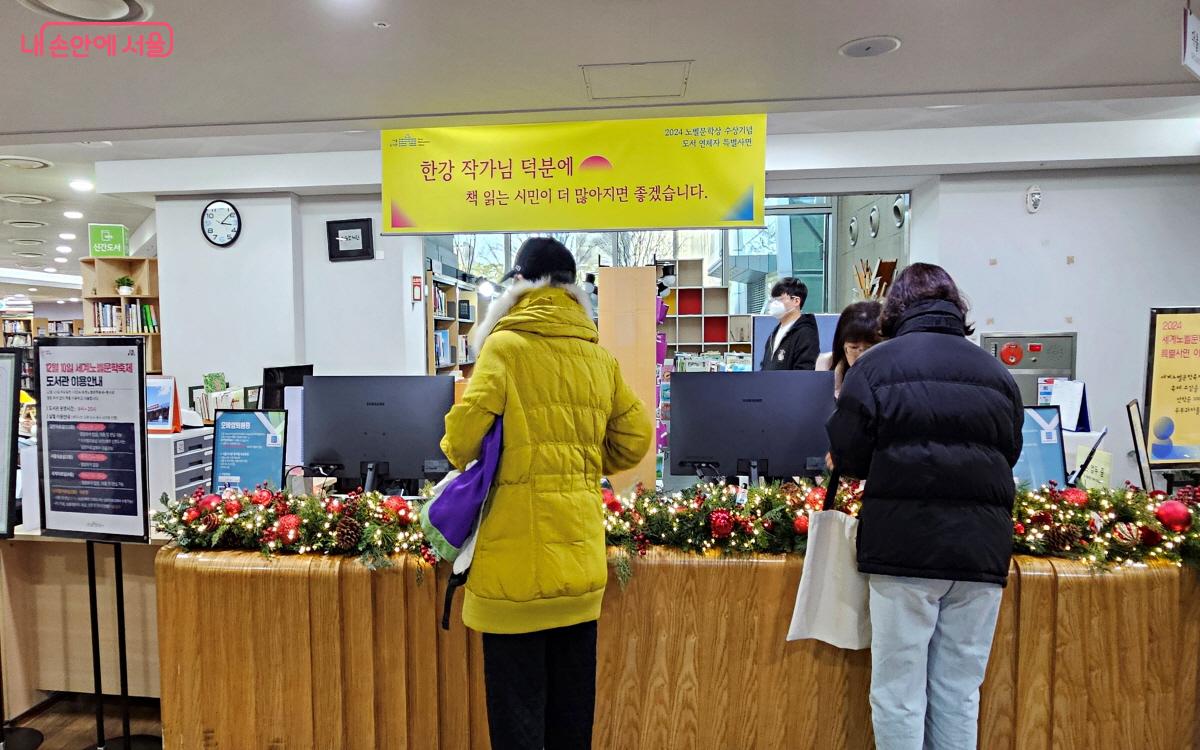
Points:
x=236 y=213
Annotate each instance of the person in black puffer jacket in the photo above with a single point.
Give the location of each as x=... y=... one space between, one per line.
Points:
x=933 y=424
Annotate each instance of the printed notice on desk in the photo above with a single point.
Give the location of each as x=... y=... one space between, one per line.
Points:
x=92 y=436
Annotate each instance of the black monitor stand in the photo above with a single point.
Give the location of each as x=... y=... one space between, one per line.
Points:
x=753 y=468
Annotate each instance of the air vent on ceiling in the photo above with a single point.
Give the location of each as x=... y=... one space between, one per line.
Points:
x=872 y=46
x=644 y=80
x=29 y=254
x=24 y=223
x=25 y=200
x=23 y=162
x=28 y=265
x=27 y=242
x=91 y=10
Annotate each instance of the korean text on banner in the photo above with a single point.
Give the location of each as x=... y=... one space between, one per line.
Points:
x=1173 y=387
x=628 y=174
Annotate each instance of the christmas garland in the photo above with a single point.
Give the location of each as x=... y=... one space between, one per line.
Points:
x=1102 y=527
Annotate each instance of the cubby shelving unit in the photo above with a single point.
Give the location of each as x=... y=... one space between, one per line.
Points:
x=698 y=318
x=19 y=333
x=453 y=308
x=100 y=295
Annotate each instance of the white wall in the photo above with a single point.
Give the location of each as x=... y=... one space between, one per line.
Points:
x=57 y=312
x=358 y=315
x=233 y=310
x=1105 y=247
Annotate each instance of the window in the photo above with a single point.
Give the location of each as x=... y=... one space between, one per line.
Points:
x=482 y=254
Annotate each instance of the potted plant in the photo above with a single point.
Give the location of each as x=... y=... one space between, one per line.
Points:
x=125 y=286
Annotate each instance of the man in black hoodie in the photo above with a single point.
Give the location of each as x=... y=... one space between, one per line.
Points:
x=794 y=344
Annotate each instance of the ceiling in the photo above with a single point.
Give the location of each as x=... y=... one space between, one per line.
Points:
x=321 y=65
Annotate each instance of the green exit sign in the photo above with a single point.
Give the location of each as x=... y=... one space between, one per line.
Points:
x=108 y=241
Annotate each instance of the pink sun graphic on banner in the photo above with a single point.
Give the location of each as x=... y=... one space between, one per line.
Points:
x=595 y=162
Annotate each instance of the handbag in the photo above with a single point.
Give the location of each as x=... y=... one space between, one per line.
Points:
x=832 y=602
x=451 y=518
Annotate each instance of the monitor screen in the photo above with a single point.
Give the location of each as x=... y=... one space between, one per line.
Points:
x=275 y=379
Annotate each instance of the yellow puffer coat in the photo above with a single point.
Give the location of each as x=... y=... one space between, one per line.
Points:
x=569 y=419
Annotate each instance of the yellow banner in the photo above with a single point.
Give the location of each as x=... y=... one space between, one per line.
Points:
x=1174 y=388
x=694 y=172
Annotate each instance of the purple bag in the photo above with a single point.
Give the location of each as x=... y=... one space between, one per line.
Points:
x=449 y=520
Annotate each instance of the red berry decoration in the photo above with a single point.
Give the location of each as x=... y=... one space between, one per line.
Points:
x=1042 y=518
x=611 y=502
x=1174 y=516
x=281 y=507
x=1149 y=537
x=746 y=524
x=1158 y=495
x=335 y=506
x=1075 y=496
x=232 y=507
x=191 y=514
x=262 y=497
x=289 y=528
x=1019 y=528
x=800 y=525
x=720 y=521
x=209 y=504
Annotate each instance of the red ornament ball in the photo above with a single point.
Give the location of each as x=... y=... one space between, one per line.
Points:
x=1125 y=534
x=815 y=499
x=720 y=521
x=1019 y=528
x=399 y=508
x=800 y=525
x=1174 y=516
x=335 y=506
x=209 y=504
x=232 y=507
x=1075 y=496
x=1148 y=536
x=191 y=514
x=289 y=528
x=262 y=497
x=211 y=523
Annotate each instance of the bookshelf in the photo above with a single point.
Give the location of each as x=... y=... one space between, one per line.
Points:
x=698 y=318
x=19 y=334
x=453 y=308
x=57 y=328
x=107 y=313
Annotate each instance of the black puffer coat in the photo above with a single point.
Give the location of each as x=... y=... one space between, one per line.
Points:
x=933 y=423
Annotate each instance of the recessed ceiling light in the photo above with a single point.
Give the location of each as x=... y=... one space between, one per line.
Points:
x=50 y=270
x=63 y=249
x=73 y=299
x=27 y=242
x=353 y=132
x=24 y=223
x=872 y=46
x=61 y=260
x=82 y=186
x=61 y=302
x=382 y=25
x=96 y=144
x=33 y=288
x=22 y=199
x=24 y=162
x=73 y=214
x=66 y=236
x=944 y=106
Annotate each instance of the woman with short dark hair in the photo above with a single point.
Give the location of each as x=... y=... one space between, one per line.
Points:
x=933 y=423
x=857 y=331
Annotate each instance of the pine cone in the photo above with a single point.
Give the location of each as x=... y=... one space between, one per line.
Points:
x=347 y=533
x=1060 y=538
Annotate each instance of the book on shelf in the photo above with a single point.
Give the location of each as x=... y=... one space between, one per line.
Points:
x=442 y=352
x=131 y=318
x=465 y=311
x=18 y=340
x=15 y=326
x=464 y=351
x=441 y=307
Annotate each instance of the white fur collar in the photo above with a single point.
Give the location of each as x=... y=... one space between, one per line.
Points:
x=505 y=303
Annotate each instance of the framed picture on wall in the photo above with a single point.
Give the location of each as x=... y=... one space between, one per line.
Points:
x=350 y=239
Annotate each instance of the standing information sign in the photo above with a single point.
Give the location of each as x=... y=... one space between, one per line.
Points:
x=92 y=438
x=10 y=385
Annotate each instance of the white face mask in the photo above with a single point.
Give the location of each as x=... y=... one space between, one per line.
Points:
x=776 y=308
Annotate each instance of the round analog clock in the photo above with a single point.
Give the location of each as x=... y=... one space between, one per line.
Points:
x=221 y=223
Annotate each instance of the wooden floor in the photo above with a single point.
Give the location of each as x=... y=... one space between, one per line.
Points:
x=71 y=724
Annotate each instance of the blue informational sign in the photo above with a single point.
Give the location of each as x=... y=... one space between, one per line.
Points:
x=1043 y=458
x=248 y=449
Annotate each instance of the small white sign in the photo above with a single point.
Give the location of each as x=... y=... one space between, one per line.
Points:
x=1191 y=42
x=350 y=239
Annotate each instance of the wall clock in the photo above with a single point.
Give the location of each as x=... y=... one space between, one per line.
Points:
x=221 y=223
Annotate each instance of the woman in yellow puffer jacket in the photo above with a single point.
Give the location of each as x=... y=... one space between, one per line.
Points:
x=539 y=570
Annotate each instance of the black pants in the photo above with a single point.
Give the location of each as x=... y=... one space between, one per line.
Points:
x=541 y=688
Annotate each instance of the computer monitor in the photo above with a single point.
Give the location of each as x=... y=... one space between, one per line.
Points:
x=371 y=431
x=770 y=424
x=275 y=379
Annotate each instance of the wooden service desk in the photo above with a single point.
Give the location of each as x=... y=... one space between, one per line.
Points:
x=318 y=652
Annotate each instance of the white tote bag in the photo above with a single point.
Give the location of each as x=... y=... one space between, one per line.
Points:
x=832 y=603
